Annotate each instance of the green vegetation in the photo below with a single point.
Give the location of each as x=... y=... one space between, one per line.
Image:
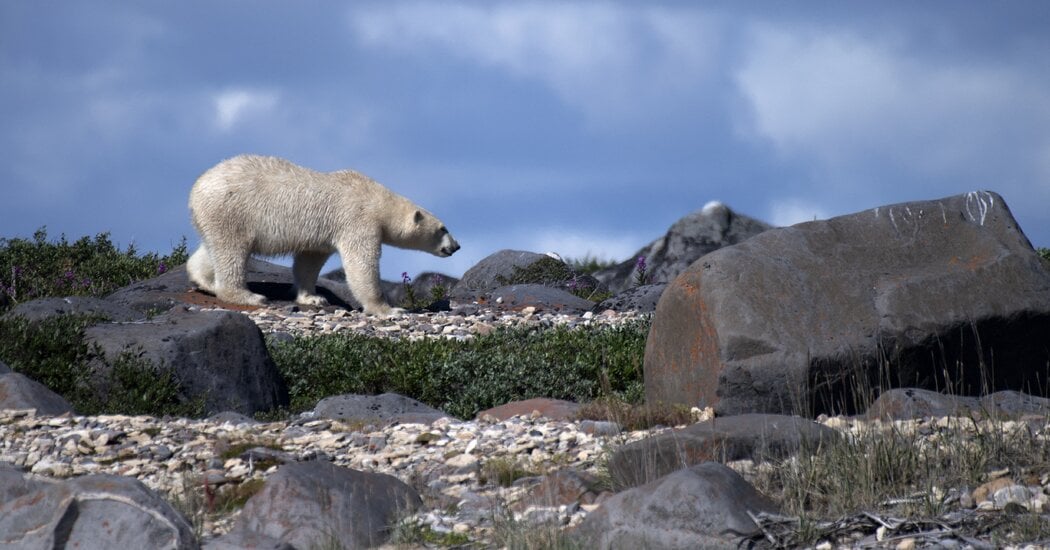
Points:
x=464 y=377
x=589 y=264
x=1044 y=253
x=38 y=268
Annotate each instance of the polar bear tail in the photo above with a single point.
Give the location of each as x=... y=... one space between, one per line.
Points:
x=200 y=270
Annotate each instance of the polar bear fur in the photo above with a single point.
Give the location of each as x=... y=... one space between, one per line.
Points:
x=265 y=205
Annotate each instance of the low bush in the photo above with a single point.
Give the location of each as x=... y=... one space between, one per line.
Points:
x=39 y=268
x=464 y=377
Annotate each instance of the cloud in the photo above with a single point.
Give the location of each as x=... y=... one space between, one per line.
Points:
x=607 y=60
x=233 y=105
x=847 y=103
x=785 y=212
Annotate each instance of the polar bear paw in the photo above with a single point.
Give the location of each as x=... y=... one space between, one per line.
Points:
x=311 y=300
x=384 y=311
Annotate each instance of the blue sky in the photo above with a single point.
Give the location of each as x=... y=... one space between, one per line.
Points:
x=569 y=127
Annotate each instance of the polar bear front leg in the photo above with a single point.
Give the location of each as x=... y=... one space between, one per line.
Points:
x=305 y=268
x=362 y=276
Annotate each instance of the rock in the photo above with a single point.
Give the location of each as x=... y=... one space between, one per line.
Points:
x=271 y=280
x=749 y=436
x=642 y=299
x=383 y=409
x=499 y=269
x=803 y=318
x=245 y=541
x=564 y=487
x=705 y=506
x=18 y=391
x=538 y=297
x=94 y=511
x=314 y=504
x=45 y=308
x=395 y=293
x=713 y=227
x=554 y=409
x=904 y=403
x=219 y=356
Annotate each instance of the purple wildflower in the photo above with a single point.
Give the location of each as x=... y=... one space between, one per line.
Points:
x=641 y=263
x=161 y=268
x=405 y=279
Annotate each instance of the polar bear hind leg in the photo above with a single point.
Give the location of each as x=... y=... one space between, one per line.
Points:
x=306 y=267
x=221 y=271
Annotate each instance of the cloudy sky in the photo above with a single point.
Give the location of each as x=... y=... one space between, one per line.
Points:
x=581 y=128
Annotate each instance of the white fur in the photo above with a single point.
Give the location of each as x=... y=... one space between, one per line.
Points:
x=264 y=205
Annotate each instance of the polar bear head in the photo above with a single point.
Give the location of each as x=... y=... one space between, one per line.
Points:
x=421 y=230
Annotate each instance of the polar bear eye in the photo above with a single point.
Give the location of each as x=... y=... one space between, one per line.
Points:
x=442 y=230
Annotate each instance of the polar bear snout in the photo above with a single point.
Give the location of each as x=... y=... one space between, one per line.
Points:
x=449 y=246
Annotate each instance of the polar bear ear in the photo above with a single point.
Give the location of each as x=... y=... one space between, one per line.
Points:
x=418 y=217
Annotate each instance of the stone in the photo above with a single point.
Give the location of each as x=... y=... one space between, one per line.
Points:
x=933 y=294
x=642 y=299
x=706 y=230
x=271 y=280
x=705 y=506
x=904 y=403
x=218 y=356
x=538 y=298
x=554 y=409
x=18 y=391
x=383 y=409
x=755 y=437
x=313 y=504
x=564 y=487
x=46 y=308
x=93 y=511
x=499 y=269
x=240 y=540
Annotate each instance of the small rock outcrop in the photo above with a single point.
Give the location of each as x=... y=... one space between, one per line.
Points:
x=18 y=391
x=314 y=504
x=46 y=308
x=706 y=230
x=381 y=410
x=755 y=437
x=705 y=506
x=906 y=403
x=218 y=356
x=805 y=318
x=93 y=511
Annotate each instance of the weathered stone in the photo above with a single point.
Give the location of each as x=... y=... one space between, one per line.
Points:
x=218 y=356
x=18 y=391
x=642 y=299
x=554 y=409
x=95 y=511
x=564 y=487
x=903 y=403
x=747 y=436
x=240 y=540
x=316 y=503
x=801 y=318
x=383 y=409
x=705 y=506
x=503 y=268
x=538 y=297
x=713 y=227
x=46 y=308
x=271 y=280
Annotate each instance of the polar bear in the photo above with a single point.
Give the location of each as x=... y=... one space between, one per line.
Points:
x=264 y=205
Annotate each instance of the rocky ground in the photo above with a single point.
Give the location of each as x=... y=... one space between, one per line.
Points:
x=204 y=466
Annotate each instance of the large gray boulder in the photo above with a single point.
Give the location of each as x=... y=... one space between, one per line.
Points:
x=313 y=504
x=904 y=403
x=46 y=308
x=271 y=280
x=218 y=356
x=705 y=506
x=708 y=229
x=382 y=410
x=95 y=511
x=815 y=317
x=757 y=437
x=18 y=391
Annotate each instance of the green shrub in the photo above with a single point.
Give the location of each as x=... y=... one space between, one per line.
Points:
x=589 y=264
x=464 y=377
x=53 y=352
x=38 y=268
